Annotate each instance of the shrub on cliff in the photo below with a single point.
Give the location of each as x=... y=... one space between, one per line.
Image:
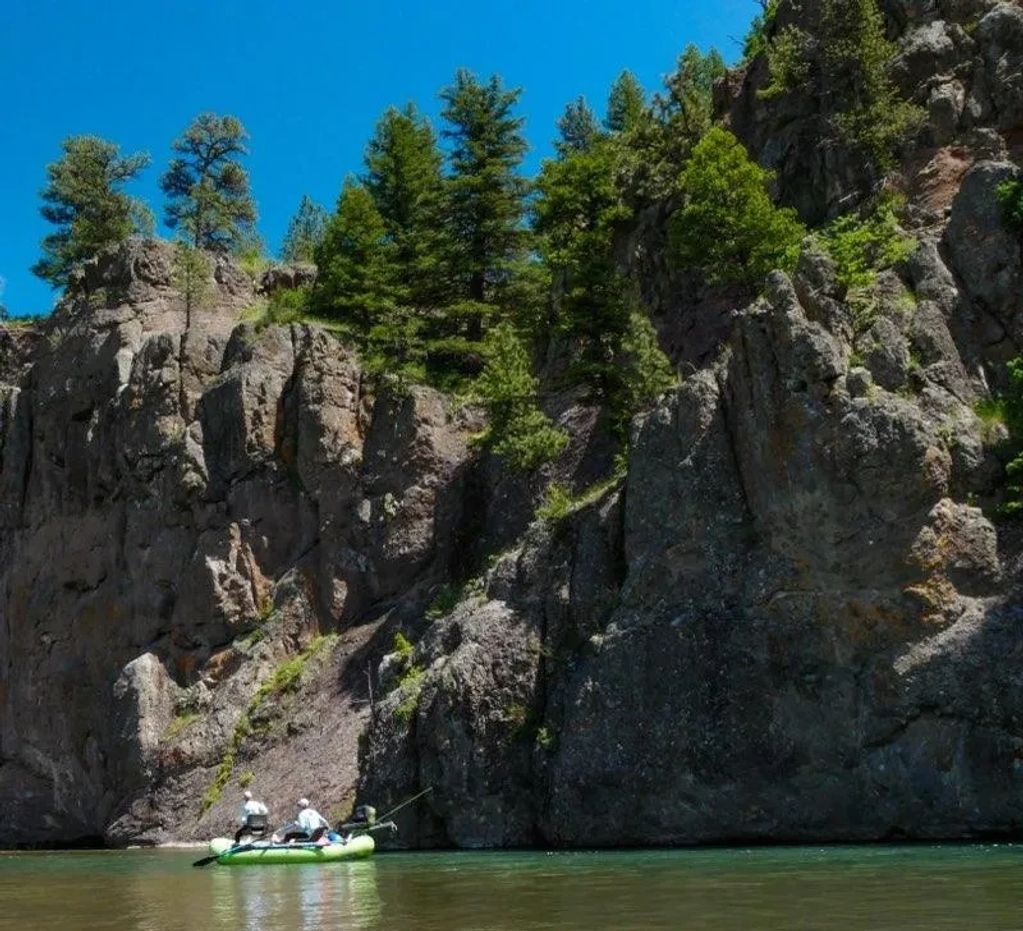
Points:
x=1010 y=196
x=863 y=244
x=84 y=199
x=728 y=228
x=1010 y=409
x=756 y=41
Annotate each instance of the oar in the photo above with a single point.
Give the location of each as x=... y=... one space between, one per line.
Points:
x=205 y=861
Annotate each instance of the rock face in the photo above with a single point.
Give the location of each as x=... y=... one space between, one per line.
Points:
x=792 y=619
x=182 y=510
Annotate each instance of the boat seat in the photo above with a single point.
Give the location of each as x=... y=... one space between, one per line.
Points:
x=257 y=824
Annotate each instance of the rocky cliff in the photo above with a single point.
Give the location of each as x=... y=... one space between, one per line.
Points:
x=793 y=618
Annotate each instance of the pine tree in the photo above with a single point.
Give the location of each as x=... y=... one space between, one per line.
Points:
x=688 y=108
x=578 y=128
x=484 y=197
x=207 y=187
x=519 y=431
x=305 y=231
x=625 y=103
x=403 y=174
x=856 y=56
x=577 y=212
x=661 y=140
x=84 y=199
x=359 y=282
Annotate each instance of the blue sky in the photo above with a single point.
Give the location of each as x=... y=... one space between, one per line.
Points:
x=307 y=78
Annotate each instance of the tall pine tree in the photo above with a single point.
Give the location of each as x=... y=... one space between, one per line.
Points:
x=207 y=187
x=578 y=128
x=485 y=195
x=359 y=282
x=625 y=103
x=403 y=175
x=84 y=199
x=579 y=210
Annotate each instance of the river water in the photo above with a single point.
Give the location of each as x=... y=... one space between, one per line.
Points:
x=876 y=888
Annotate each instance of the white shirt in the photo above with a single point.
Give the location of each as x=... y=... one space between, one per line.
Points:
x=251 y=807
x=309 y=819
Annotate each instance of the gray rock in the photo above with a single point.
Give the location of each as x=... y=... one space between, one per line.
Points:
x=290 y=275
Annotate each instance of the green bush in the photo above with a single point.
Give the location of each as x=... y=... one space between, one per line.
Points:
x=557 y=504
x=402 y=646
x=519 y=431
x=646 y=371
x=410 y=685
x=1011 y=408
x=862 y=245
x=728 y=228
x=1010 y=196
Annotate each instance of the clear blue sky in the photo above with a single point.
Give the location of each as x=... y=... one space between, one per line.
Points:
x=307 y=78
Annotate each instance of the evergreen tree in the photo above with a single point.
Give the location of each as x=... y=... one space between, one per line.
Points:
x=662 y=139
x=577 y=211
x=855 y=59
x=578 y=128
x=519 y=431
x=728 y=228
x=625 y=103
x=359 y=282
x=403 y=174
x=688 y=108
x=207 y=187
x=484 y=195
x=305 y=231
x=84 y=199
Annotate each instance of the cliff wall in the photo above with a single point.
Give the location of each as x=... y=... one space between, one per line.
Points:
x=794 y=618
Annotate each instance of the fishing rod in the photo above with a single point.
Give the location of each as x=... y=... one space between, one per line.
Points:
x=406 y=803
x=383 y=822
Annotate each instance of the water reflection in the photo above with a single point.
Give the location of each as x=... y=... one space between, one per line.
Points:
x=308 y=897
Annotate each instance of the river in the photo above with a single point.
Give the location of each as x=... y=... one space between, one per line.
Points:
x=877 y=888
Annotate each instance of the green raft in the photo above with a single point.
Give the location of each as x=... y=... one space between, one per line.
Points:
x=356 y=848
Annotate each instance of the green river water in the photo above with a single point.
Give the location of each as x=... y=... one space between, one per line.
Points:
x=876 y=888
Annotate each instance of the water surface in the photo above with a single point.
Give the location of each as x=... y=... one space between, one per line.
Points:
x=849 y=888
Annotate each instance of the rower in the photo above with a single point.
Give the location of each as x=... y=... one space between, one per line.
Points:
x=253 y=817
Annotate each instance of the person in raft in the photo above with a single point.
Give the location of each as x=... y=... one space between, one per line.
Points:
x=309 y=826
x=252 y=817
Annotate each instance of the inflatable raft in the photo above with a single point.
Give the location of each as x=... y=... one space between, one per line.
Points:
x=355 y=848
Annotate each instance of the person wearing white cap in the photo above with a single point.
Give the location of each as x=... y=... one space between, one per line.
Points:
x=251 y=810
x=311 y=821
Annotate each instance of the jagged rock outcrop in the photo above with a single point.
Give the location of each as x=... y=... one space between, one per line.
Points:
x=182 y=510
x=791 y=621
x=793 y=618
